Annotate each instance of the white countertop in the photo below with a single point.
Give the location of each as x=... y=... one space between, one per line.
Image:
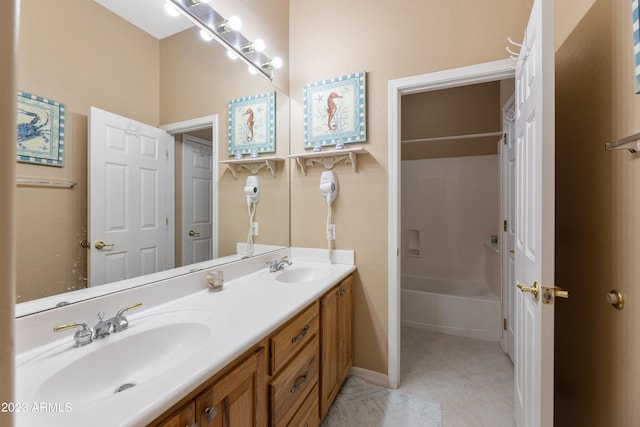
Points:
x=249 y=308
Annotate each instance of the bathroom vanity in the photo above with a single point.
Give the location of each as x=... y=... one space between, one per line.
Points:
x=286 y=378
x=271 y=348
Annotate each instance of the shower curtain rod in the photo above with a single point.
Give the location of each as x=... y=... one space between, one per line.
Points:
x=453 y=137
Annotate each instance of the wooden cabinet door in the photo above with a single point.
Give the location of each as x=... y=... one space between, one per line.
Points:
x=328 y=349
x=345 y=328
x=237 y=399
x=336 y=318
x=186 y=417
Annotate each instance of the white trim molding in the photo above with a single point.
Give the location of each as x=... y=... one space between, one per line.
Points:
x=479 y=73
x=372 y=377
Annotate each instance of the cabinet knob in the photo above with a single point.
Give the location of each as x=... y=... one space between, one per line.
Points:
x=211 y=413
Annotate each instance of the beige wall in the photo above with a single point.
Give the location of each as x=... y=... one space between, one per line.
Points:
x=389 y=41
x=597 y=205
x=94 y=59
x=8 y=13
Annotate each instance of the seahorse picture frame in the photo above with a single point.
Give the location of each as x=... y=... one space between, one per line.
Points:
x=335 y=111
x=41 y=124
x=252 y=124
x=635 y=27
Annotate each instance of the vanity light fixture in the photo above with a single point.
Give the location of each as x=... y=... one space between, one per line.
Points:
x=225 y=32
x=276 y=63
x=205 y=36
x=255 y=46
x=171 y=9
x=232 y=24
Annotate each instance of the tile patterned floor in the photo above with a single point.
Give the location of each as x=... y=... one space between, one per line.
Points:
x=471 y=379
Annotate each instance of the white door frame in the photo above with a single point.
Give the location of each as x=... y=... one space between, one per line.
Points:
x=192 y=125
x=479 y=73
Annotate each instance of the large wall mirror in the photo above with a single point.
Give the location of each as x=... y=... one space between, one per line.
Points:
x=84 y=55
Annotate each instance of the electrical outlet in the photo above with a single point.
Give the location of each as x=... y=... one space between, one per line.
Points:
x=331 y=232
x=254 y=228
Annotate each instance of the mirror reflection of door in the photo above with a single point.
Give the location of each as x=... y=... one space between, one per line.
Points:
x=197 y=197
x=130 y=181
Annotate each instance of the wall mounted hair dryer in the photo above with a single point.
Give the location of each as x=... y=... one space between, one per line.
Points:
x=329 y=191
x=329 y=186
x=252 y=191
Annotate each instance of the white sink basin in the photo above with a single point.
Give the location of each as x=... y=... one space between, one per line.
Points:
x=301 y=273
x=116 y=364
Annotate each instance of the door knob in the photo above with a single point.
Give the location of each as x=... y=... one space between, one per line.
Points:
x=101 y=245
x=193 y=233
x=535 y=289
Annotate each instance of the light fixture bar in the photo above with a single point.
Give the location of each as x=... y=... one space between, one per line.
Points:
x=205 y=17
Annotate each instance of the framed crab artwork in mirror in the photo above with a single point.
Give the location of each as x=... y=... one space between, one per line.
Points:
x=335 y=111
x=40 y=130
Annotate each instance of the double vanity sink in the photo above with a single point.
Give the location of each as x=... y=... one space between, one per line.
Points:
x=131 y=377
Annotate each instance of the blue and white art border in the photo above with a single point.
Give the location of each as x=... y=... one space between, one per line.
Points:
x=335 y=111
x=252 y=124
x=635 y=15
x=41 y=130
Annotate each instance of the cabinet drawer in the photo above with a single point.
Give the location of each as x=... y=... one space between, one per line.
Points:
x=307 y=415
x=286 y=342
x=289 y=388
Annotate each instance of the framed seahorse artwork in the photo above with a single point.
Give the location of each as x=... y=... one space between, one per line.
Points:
x=252 y=124
x=41 y=123
x=635 y=21
x=335 y=111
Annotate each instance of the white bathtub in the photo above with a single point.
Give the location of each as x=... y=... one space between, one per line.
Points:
x=450 y=307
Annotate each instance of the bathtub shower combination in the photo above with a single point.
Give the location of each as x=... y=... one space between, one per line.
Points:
x=451 y=307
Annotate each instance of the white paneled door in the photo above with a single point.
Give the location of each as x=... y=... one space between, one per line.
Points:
x=197 y=195
x=534 y=216
x=129 y=182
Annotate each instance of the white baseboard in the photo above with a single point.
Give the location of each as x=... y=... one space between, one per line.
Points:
x=372 y=377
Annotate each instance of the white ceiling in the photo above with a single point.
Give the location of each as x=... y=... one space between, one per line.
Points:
x=148 y=15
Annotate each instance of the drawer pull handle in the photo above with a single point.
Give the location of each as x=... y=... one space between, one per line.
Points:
x=211 y=413
x=300 y=382
x=342 y=292
x=302 y=334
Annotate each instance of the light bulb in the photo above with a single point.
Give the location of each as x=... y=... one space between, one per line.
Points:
x=232 y=55
x=171 y=9
x=234 y=23
x=205 y=36
x=252 y=70
x=276 y=62
x=258 y=45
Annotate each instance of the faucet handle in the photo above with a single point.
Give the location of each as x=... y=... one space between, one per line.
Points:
x=120 y=322
x=82 y=337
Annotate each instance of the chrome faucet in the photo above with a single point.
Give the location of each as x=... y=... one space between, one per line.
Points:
x=279 y=264
x=82 y=337
x=117 y=323
x=85 y=335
